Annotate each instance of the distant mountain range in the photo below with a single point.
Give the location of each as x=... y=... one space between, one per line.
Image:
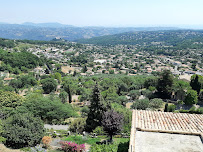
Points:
x=49 y=31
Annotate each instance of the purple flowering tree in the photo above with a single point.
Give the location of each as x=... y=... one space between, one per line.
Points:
x=112 y=123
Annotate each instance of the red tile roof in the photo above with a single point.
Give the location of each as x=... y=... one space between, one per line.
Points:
x=168 y=121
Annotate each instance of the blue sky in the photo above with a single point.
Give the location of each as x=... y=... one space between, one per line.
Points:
x=104 y=12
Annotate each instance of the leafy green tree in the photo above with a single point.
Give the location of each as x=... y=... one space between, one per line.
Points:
x=78 y=125
x=165 y=83
x=23 y=81
x=134 y=94
x=142 y=104
x=147 y=93
x=10 y=99
x=156 y=103
x=112 y=123
x=46 y=108
x=63 y=96
x=110 y=94
x=85 y=95
x=96 y=110
x=150 y=82
x=22 y=130
x=122 y=100
x=16 y=83
x=122 y=87
x=57 y=76
x=70 y=86
x=191 y=97
x=48 y=85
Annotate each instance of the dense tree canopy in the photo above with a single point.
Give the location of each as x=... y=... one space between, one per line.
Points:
x=49 y=85
x=22 y=81
x=21 y=130
x=19 y=59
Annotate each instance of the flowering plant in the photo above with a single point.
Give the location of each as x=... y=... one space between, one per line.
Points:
x=69 y=146
x=46 y=140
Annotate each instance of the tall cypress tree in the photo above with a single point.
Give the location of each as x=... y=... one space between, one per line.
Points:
x=96 y=110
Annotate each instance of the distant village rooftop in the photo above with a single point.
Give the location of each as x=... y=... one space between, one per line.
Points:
x=159 y=126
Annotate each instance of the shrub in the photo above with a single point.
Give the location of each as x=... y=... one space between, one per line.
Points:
x=171 y=108
x=68 y=146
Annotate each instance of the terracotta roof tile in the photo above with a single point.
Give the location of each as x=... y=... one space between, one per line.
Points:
x=168 y=121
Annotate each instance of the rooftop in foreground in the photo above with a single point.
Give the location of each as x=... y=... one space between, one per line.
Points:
x=157 y=122
x=168 y=121
x=164 y=142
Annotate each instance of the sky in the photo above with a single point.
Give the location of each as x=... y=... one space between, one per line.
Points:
x=104 y=12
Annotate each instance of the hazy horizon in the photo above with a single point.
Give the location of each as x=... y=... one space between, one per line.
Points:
x=114 y=13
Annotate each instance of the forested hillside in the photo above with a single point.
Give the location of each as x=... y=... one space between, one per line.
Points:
x=177 y=38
